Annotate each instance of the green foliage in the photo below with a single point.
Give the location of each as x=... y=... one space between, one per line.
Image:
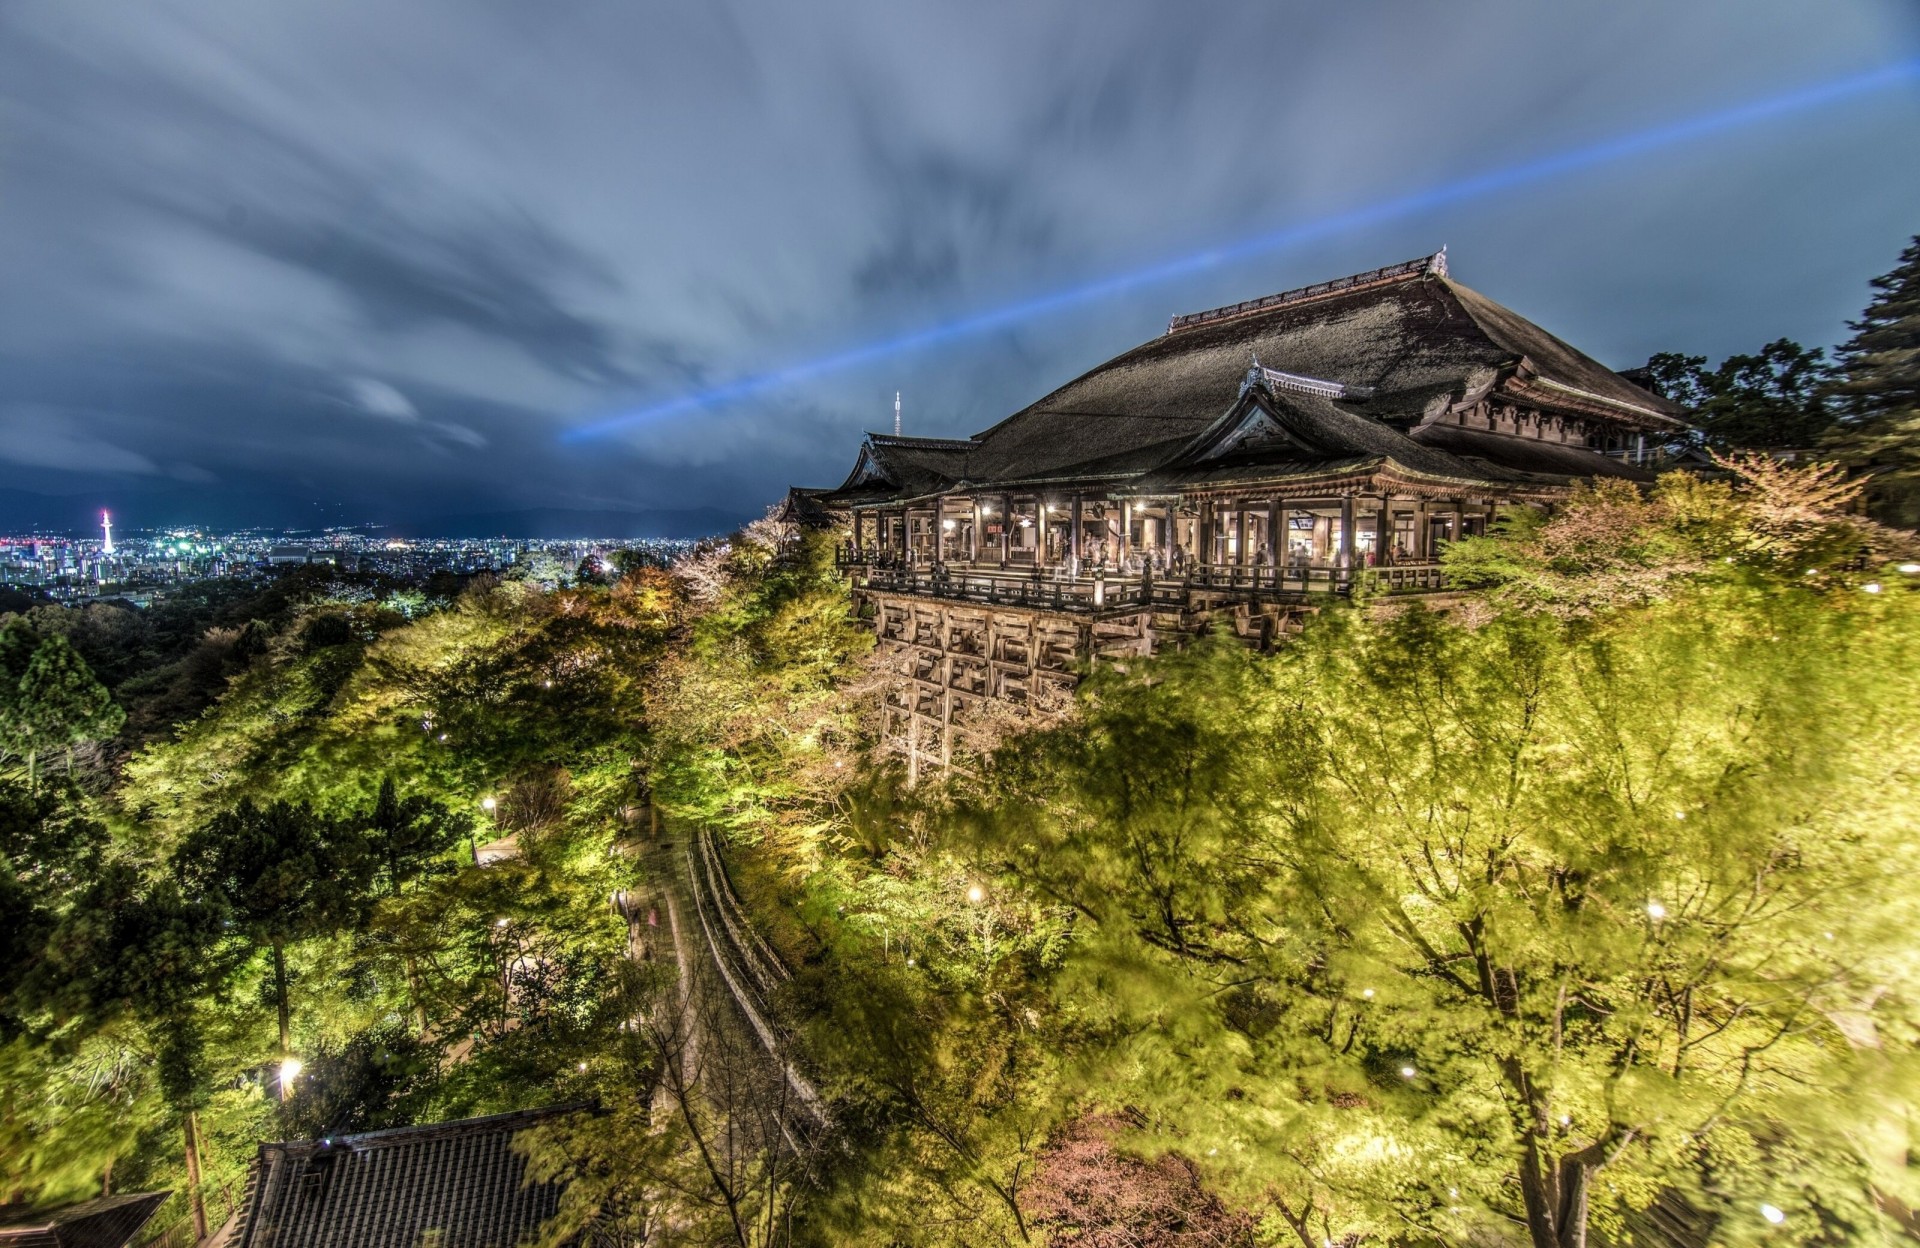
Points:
x=1429 y=927
x=49 y=699
x=315 y=807
x=1880 y=393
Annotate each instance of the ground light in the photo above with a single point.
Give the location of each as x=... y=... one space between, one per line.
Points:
x=1428 y=199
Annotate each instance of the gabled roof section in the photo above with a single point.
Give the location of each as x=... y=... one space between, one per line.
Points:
x=1559 y=365
x=104 y=1222
x=901 y=465
x=1301 y=432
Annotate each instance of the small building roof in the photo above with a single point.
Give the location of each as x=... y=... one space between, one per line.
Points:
x=398 y=1188
x=104 y=1222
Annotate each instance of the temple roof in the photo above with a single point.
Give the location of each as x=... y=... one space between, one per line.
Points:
x=104 y=1222
x=1369 y=355
x=450 y=1182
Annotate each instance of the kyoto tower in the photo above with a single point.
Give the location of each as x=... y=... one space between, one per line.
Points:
x=106 y=527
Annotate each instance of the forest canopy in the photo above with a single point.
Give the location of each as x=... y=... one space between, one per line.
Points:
x=1575 y=905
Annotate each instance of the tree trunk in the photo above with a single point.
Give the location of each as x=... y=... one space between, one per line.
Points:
x=280 y=1000
x=106 y=1179
x=1556 y=1197
x=196 y=1199
x=413 y=992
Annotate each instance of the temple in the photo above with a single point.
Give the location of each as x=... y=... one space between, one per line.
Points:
x=1240 y=468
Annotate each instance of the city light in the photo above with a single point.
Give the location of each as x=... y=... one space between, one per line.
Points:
x=1428 y=199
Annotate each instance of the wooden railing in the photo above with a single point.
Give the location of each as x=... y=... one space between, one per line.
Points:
x=1052 y=589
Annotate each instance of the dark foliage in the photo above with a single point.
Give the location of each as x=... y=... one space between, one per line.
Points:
x=1777 y=397
x=378 y=1078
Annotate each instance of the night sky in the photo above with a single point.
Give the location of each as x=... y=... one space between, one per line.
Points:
x=357 y=260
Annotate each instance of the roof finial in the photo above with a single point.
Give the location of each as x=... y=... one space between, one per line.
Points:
x=896 y=413
x=1439 y=262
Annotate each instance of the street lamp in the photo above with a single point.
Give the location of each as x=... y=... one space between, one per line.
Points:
x=290 y=1068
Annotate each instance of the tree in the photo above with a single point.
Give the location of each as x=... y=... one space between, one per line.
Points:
x=1422 y=929
x=49 y=699
x=405 y=837
x=283 y=873
x=1879 y=391
x=1777 y=397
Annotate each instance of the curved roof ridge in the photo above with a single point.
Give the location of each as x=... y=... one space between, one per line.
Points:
x=932 y=444
x=1435 y=264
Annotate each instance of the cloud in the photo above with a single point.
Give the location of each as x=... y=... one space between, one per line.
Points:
x=377 y=398
x=459 y=433
x=332 y=249
x=38 y=437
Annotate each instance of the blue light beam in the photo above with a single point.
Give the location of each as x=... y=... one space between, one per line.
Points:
x=1424 y=200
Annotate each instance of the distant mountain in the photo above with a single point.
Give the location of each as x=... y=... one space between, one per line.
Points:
x=558 y=522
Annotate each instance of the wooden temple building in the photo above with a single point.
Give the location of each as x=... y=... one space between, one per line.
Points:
x=1240 y=468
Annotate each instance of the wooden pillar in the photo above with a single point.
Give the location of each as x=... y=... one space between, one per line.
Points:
x=1382 y=531
x=1006 y=529
x=1420 y=543
x=1276 y=532
x=1346 y=531
x=1126 y=528
x=1245 y=559
x=1040 y=531
x=1203 y=534
x=1073 y=534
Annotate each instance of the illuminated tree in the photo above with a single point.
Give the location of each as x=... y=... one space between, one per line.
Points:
x=1421 y=929
x=283 y=873
x=49 y=699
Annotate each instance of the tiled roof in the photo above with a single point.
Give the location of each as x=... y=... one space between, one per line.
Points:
x=106 y=1222
x=452 y=1184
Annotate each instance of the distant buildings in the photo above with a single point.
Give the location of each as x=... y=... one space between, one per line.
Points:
x=145 y=564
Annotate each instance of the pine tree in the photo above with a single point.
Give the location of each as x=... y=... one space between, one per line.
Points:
x=55 y=702
x=1881 y=393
